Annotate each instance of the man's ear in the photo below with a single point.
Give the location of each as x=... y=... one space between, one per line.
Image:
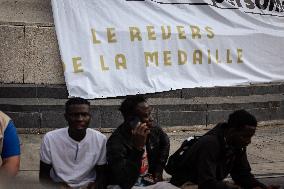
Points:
x=230 y=132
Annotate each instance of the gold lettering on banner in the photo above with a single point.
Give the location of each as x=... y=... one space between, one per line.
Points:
x=209 y=56
x=195 y=32
x=182 y=57
x=120 y=61
x=111 y=35
x=217 y=56
x=77 y=65
x=151 y=57
x=181 y=32
x=229 y=60
x=197 y=56
x=167 y=58
x=151 y=33
x=135 y=34
x=240 y=56
x=103 y=66
x=166 y=35
x=95 y=40
x=210 y=33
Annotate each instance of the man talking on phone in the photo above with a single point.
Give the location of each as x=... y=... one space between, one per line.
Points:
x=137 y=151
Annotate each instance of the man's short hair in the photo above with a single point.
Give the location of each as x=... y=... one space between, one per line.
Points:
x=128 y=106
x=75 y=100
x=240 y=118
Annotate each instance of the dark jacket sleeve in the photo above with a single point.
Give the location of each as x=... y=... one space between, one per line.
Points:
x=164 y=151
x=123 y=163
x=241 y=173
x=208 y=156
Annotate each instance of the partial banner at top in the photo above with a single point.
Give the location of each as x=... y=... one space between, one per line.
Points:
x=115 y=48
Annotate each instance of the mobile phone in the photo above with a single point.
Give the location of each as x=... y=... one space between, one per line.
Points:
x=134 y=121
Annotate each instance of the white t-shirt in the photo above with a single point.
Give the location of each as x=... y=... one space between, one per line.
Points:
x=73 y=162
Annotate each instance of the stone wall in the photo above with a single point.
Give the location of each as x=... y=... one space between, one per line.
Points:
x=28 y=46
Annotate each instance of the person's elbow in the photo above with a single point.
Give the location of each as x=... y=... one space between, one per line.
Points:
x=10 y=166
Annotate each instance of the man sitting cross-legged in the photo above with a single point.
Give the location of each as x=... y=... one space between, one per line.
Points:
x=137 y=151
x=75 y=156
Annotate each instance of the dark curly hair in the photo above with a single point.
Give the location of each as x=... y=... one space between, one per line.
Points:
x=240 y=118
x=75 y=100
x=127 y=107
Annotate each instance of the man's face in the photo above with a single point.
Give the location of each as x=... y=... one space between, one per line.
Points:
x=78 y=116
x=143 y=111
x=241 y=138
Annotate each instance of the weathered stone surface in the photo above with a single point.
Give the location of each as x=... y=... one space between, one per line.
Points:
x=243 y=105
x=166 y=94
x=260 y=89
x=29 y=54
x=215 y=91
x=17 y=91
x=167 y=111
x=11 y=54
x=110 y=117
x=25 y=119
x=281 y=89
x=43 y=64
x=51 y=91
x=30 y=147
x=26 y=11
x=170 y=118
x=9 y=90
x=261 y=114
x=96 y=118
x=52 y=119
x=217 y=116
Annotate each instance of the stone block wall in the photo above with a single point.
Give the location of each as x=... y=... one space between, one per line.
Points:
x=29 y=52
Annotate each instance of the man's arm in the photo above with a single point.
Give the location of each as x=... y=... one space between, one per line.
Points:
x=100 y=182
x=123 y=164
x=44 y=176
x=241 y=173
x=44 y=173
x=10 y=151
x=45 y=161
x=164 y=148
x=207 y=160
x=10 y=166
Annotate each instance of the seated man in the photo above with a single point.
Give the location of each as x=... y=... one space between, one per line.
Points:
x=74 y=156
x=9 y=147
x=220 y=152
x=137 y=151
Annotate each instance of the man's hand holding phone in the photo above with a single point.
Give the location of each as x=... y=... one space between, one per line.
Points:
x=139 y=134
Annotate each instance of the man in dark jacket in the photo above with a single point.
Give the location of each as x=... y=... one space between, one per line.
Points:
x=220 y=152
x=137 y=151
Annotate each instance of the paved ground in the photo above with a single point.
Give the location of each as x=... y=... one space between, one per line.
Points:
x=266 y=154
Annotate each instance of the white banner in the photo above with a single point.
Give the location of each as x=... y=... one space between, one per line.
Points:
x=120 y=47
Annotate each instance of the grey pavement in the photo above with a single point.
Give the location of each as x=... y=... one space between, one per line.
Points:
x=266 y=153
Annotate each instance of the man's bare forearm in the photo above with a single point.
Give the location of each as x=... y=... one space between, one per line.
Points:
x=10 y=166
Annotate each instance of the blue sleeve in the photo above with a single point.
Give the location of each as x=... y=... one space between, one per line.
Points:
x=11 y=143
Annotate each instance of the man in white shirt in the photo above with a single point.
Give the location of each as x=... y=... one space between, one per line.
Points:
x=75 y=156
